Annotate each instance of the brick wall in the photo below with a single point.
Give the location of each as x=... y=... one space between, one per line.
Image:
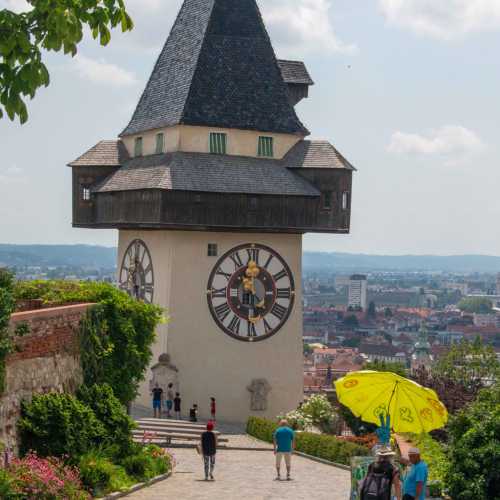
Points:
x=47 y=359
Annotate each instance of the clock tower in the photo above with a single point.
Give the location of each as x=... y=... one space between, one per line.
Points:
x=212 y=185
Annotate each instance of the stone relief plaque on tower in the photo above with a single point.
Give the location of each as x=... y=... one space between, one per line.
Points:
x=259 y=389
x=164 y=373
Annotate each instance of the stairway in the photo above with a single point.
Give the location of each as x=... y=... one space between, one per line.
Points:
x=172 y=433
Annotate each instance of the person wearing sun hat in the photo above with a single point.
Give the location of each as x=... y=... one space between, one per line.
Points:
x=382 y=478
x=416 y=480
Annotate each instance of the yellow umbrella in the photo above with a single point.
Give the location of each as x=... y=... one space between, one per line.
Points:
x=412 y=408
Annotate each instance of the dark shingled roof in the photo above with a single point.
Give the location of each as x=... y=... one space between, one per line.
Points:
x=295 y=72
x=217 y=69
x=207 y=173
x=315 y=154
x=103 y=154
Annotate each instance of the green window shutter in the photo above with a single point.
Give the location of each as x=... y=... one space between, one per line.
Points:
x=138 y=146
x=160 y=143
x=265 y=147
x=218 y=143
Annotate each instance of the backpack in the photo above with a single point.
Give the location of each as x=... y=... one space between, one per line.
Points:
x=376 y=485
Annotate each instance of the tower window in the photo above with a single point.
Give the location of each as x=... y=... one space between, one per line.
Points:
x=85 y=193
x=138 y=146
x=345 y=200
x=265 y=147
x=160 y=143
x=212 y=250
x=253 y=203
x=327 y=200
x=218 y=143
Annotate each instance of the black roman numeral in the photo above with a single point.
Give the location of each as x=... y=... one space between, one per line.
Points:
x=220 y=272
x=284 y=293
x=251 y=331
x=236 y=260
x=218 y=293
x=268 y=261
x=234 y=325
x=279 y=275
x=253 y=254
x=222 y=311
x=267 y=326
x=278 y=311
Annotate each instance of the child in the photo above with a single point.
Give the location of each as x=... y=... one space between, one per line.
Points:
x=212 y=408
x=177 y=406
x=193 y=414
x=208 y=450
x=170 y=400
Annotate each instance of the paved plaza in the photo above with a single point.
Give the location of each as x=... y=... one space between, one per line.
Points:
x=248 y=475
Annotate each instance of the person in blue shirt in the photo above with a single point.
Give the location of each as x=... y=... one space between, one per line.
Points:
x=416 y=480
x=284 y=444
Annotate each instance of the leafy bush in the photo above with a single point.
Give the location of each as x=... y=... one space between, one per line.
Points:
x=100 y=476
x=6 y=309
x=474 y=450
x=318 y=445
x=111 y=413
x=58 y=424
x=297 y=420
x=45 y=479
x=115 y=337
x=7 y=491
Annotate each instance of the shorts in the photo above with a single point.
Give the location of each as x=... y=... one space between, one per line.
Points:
x=280 y=455
x=156 y=405
x=170 y=405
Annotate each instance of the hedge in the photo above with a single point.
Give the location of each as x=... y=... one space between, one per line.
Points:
x=317 y=445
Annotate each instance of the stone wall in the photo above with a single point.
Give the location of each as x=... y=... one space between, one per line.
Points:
x=46 y=360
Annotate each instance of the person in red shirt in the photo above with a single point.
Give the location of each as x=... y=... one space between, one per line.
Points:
x=212 y=408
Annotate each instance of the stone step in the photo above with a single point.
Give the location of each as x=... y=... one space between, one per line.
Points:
x=171 y=423
x=168 y=432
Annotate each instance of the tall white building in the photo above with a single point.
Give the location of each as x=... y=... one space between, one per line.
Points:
x=357 y=291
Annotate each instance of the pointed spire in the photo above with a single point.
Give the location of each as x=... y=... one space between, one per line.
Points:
x=217 y=69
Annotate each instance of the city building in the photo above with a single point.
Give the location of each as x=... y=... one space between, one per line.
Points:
x=357 y=291
x=421 y=356
x=212 y=185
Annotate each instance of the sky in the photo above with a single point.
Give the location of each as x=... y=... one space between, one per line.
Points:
x=407 y=90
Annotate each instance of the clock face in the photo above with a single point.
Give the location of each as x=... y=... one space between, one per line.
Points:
x=251 y=292
x=136 y=273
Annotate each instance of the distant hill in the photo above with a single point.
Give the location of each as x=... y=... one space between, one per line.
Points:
x=57 y=255
x=361 y=262
x=104 y=257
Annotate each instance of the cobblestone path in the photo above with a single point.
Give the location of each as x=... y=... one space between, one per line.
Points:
x=248 y=475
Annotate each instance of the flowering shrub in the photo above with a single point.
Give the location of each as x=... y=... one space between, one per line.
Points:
x=316 y=411
x=45 y=479
x=297 y=420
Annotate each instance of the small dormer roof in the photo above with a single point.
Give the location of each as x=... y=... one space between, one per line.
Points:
x=295 y=72
x=217 y=69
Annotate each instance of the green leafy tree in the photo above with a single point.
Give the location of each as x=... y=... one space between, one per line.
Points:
x=386 y=366
x=461 y=374
x=474 y=449
x=50 y=25
x=372 y=310
x=481 y=305
x=388 y=312
x=473 y=364
x=351 y=321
